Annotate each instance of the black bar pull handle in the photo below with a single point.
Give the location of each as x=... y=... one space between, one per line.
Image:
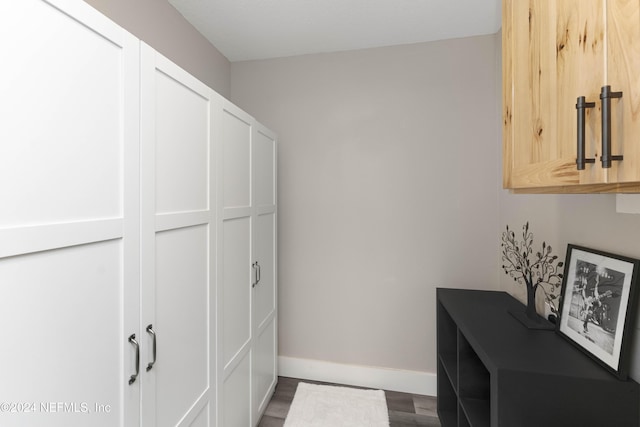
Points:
x=581 y=106
x=132 y=340
x=605 y=99
x=153 y=335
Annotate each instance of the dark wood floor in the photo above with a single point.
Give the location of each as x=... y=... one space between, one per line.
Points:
x=404 y=409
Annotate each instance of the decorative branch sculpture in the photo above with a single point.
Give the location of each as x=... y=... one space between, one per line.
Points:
x=539 y=271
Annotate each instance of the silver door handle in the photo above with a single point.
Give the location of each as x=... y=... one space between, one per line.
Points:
x=259 y=272
x=132 y=340
x=153 y=335
x=255 y=269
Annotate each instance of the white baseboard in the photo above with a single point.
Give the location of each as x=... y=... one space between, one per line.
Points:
x=415 y=382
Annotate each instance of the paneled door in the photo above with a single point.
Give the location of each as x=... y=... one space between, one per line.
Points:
x=265 y=327
x=178 y=235
x=69 y=266
x=233 y=141
x=247 y=278
x=553 y=52
x=623 y=75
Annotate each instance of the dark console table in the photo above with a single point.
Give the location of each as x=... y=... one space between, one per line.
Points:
x=494 y=372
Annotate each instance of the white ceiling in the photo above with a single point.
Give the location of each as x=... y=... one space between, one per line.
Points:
x=259 y=29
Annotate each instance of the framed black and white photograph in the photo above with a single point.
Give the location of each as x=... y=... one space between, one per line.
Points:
x=598 y=305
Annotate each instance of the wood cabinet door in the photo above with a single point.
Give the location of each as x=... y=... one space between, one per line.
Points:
x=178 y=235
x=553 y=52
x=69 y=222
x=623 y=75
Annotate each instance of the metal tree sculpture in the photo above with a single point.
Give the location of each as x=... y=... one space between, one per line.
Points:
x=542 y=271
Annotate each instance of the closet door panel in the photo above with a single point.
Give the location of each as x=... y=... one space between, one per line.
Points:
x=235 y=260
x=203 y=419
x=63 y=91
x=236 y=397
x=69 y=223
x=178 y=235
x=182 y=147
x=62 y=337
x=182 y=309
x=264 y=147
x=264 y=374
x=264 y=367
x=236 y=286
x=265 y=290
x=236 y=151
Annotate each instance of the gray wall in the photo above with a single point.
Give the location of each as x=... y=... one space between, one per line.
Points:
x=388 y=188
x=162 y=27
x=389 y=185
x=588 y=220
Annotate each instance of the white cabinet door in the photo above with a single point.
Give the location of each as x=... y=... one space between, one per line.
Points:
x=247 y=298
x=265 y=291
x=178 y=235
x=69 y=267
x=233 y=142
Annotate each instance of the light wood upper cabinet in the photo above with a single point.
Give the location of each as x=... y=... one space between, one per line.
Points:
x=554 y=52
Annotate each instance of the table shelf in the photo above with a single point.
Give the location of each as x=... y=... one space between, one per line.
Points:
x=494 y=372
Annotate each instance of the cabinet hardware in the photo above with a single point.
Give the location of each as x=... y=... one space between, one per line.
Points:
x=132 y=340
x=255 y=274
x=258 y=273
x=153 y=335
x=581 y=106
x=605 y=97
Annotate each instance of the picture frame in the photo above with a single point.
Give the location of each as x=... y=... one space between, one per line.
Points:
x=598 y=305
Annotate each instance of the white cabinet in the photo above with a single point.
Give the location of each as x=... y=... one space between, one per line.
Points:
x=247 y=291
x=178 y=236
x=69 y=265
x=265 y=328
x=138 y=209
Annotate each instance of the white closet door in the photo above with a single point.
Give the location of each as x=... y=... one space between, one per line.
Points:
x=233 y=141
x=265 y=291
x=178 y=235
x=69 y=267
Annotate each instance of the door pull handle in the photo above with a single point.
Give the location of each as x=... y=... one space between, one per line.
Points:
x=255 y=274
x=153 y=335
x=605 y=98
x=581 y=106
x=132 y=340
x=259 y=272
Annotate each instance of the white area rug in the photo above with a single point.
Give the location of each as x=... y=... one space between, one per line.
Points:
x=329 y=406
